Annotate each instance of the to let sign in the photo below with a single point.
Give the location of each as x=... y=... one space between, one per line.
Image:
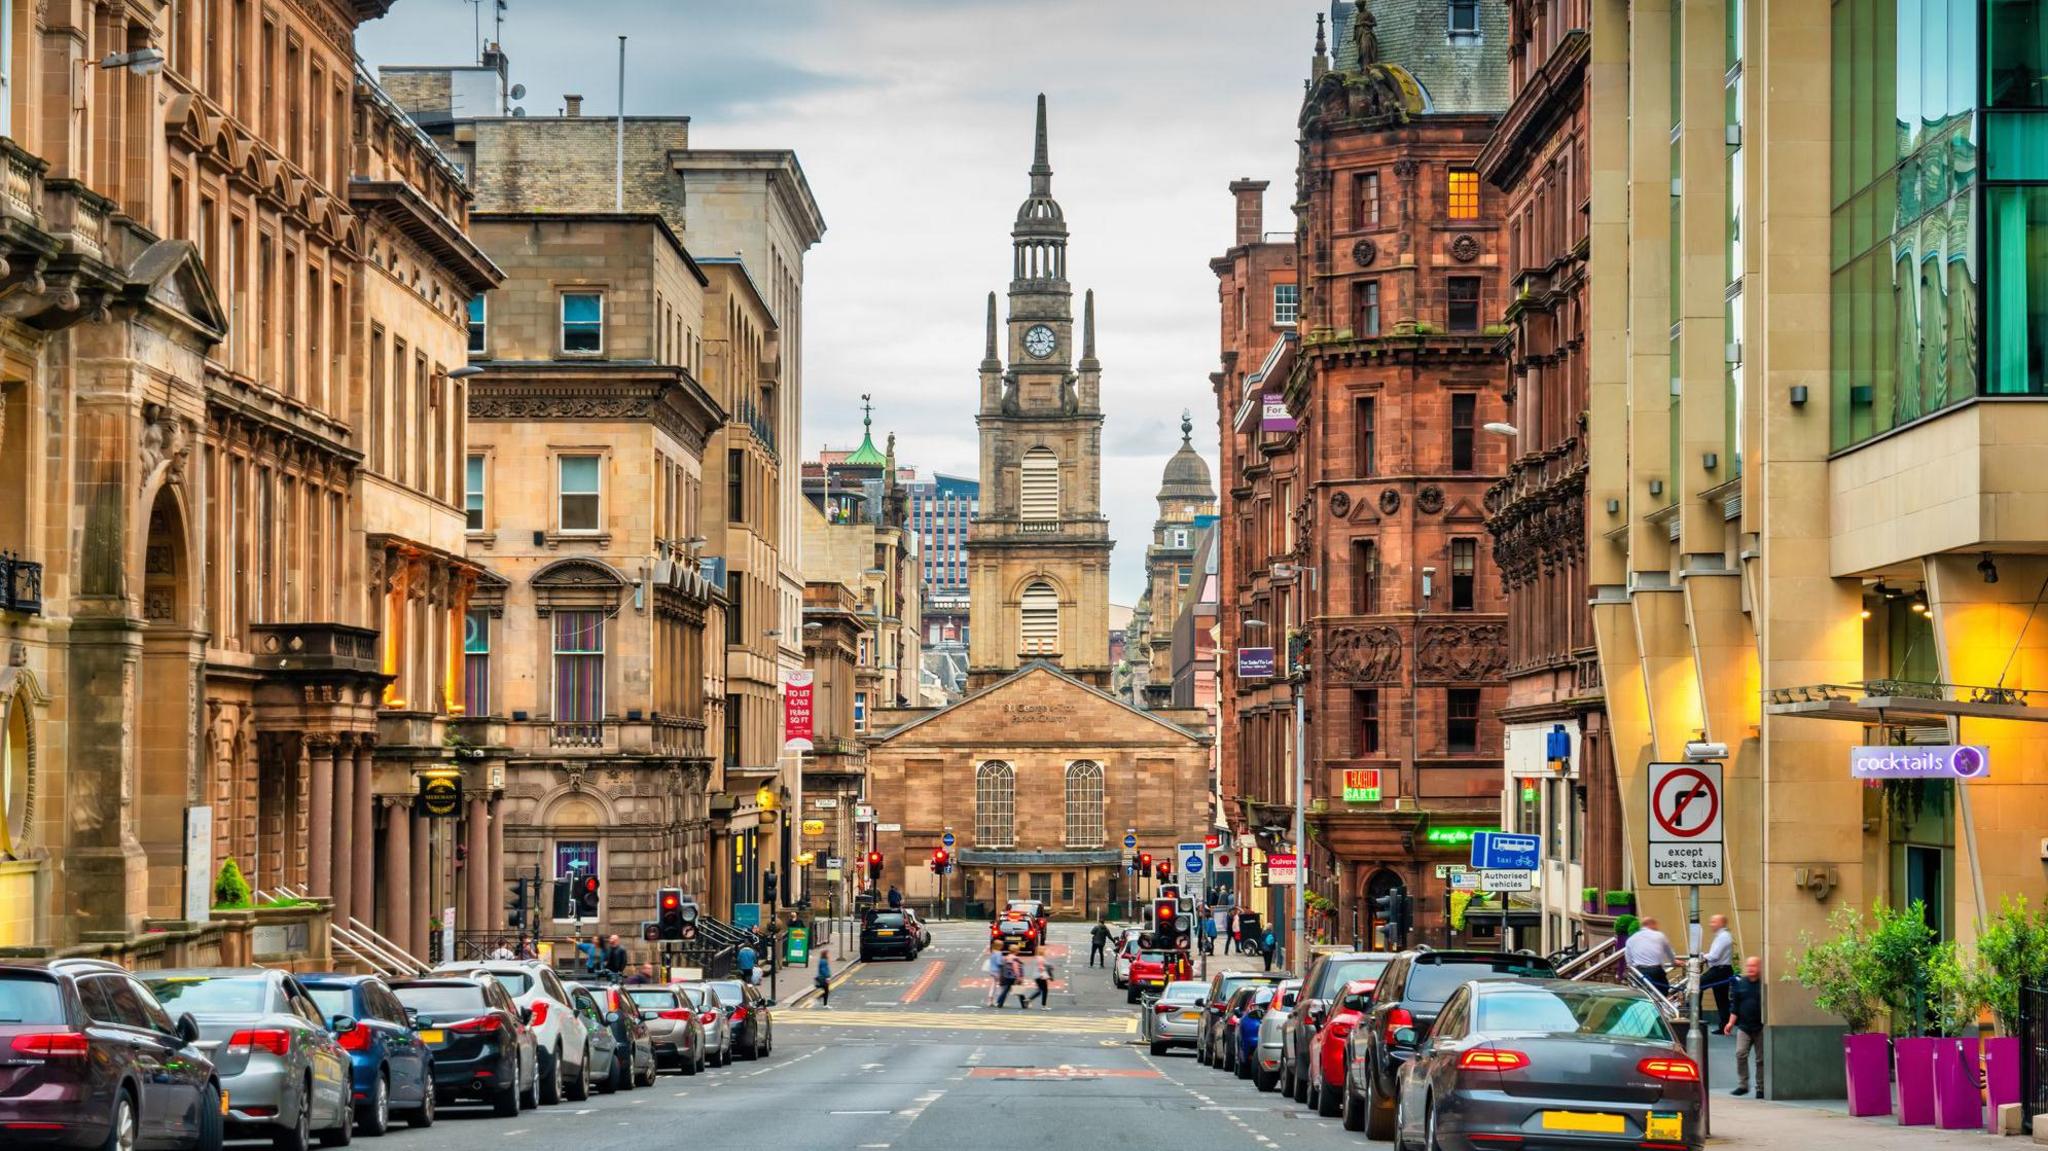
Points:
x=1255 y=663
x=1685 y=825
x=1280 y=870
x=796 y=711
x=1273 y=413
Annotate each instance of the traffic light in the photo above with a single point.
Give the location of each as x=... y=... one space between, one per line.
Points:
x=770 y=884
x=1144 y=863
x=942 y=861
x=874 y=866
x=586 y=894
x=1392 y=911
x=515 y=917
x=1163 y=870
x=1166 y=923
x=1404 y=916
x=668 y=912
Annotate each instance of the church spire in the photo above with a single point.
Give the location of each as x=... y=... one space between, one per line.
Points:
x=1041 y=162
x=1088 y=328
x=989 y=360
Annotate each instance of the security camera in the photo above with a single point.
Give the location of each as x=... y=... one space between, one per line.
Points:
x=1701 y=750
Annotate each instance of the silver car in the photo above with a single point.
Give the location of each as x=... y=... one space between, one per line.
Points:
x=674 y=1024
x=1175 y=1018
x=1272 y=1041
x=285 y=1075
x=711 y=1012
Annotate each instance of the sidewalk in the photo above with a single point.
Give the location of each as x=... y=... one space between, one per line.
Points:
x=1753 y=1123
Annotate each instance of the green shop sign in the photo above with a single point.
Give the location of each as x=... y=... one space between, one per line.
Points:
x=1453 y=836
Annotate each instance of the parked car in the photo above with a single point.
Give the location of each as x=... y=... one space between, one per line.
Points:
x=1248 y=1014
x=1326 y=976
x=1266 y=1072
x=1216 y=1000
x=89 y=1058
x=285 y=1073
x=889 y=933
x=918 y=928
x=605 y=1071
x=482 y=1047
x=672 y=1026
x=1589 y=1062
x=1175 y=1018
x=635 y=1065
x=1326 y=1051
x=1411 y=992
x=558 y=1035
x=392 y=1068
x=747 y=1016
x=711 y=1014
x=1126 y=950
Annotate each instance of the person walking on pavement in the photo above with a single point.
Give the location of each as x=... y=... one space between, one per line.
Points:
x=1746 y=993
x=1013 y=973
x=1266 y=948
x=895 y=898
x=824 y=979
x=747 y=959
x=1720 y=969
x=615 y=957
x=993 y=965
x=1649 y=952
x=1098 y=938
x=1042 y=979
x=644 y=975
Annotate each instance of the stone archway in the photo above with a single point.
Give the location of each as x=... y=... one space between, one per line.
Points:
x=166 y=712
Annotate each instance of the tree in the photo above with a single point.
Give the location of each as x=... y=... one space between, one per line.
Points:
x=229 y=888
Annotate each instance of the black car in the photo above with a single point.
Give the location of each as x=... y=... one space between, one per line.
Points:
x=393 y=1066
x=89 y=1058
x=483 y=1048
x=888 y=933
x=636 y=1064
x=747 y=1014
x=1404 y=1005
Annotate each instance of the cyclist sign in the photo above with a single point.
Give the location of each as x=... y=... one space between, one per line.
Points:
x=1685 y=825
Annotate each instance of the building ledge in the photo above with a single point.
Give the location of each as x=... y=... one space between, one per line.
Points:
x=1905 y=703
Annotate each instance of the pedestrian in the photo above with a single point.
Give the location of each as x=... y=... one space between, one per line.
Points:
x=1746 y=994
x=615 y=957
x=824 y=979
x=1720 y=970
x=1266 y=948
x=1098 y=939
x=645 y=974
x=1236 y=933
x=1649 y=952
x=1208 y=935
x=747 y=959
x=1042 y=978
x=993 y=966
x=895 y=898
x=1013 y=974
x=588 y=954
x=501 y=952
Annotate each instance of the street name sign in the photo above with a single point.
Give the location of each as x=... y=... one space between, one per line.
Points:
x=1686 y=812
x=1502 y=851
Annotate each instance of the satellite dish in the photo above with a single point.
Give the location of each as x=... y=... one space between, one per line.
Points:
x=518 y=113
x=519 y=91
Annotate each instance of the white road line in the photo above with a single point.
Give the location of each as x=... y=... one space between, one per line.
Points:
x=857 y=1113
x=521 y=1131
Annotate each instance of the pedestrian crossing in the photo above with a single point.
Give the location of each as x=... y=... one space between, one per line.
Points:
x=1037 y=1021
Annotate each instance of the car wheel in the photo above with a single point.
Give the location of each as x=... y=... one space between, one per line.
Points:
x=212 y=1124
x=1158 y=1048
x=1429 y=1139
x=653 y=1074
x=505 y=1100
x=299 y=1135
x=1130 y=995
x=1354 y=1107
x=551 y=1087
x=1328 y=1105
x=1265 y=1080
x=121 y=1132
x=1286 y=1077
x=1379 y=1113
x=345 y=1134
x=620 y=1079
x=578 y=1089
x=377 y=1108
x=1301 y=1086
x=424 y=1116
x=529 y=1096
x=1243 y=1066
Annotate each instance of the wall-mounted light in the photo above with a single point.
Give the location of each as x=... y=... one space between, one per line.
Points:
x=1710 y=460
x=1866 y=613
x=1918 y=603
x=1656 y=487
x=142 y=61
x=1987 y=569
x=1495 y=427
x=1798 y=395
x=464 y=372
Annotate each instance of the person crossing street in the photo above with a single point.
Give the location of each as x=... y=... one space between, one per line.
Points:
x=1012 y=974
x=824 y=979
x=1042 y=979
x=1098 y=940
x=993 y=966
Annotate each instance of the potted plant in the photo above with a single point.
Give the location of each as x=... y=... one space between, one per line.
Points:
x=2012 y=952
x=1954 y=1000
x=1837 y=970
x=1621 y=902
x=1589 y=900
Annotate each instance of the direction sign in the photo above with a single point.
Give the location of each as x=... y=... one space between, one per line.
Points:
x=1506 y=879
x=1501 y=851
x=947 y=839
x=1685 y=825
x=1193 y=858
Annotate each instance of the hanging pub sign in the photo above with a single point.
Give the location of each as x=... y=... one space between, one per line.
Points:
x=441 y=794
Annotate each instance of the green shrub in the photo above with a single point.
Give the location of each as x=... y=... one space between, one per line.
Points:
x=1955 y=990
x=1625 y=926
x=1899 y=947
x=2012 y=951
x=1621 y=899
x=1589 y=894
x=230 y=890
x=1837 y=970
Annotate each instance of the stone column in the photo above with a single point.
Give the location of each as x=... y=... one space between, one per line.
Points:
x=363 y=857
x=496 y=880
x=423 y=886
x=398 y=875
x=320 y=822
x=476 y=868
x=344 y=824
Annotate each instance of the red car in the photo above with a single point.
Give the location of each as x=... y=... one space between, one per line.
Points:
x=1153 y=970
x=1326 y=1047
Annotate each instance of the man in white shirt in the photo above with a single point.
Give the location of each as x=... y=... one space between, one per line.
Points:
x=1649 y=952
x=1720 y=965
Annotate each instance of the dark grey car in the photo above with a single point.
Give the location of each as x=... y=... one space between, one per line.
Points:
x=1588 y=1064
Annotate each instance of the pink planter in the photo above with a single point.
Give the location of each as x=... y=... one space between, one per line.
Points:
x=1866 y=1063
x=2001 y=1076
x=1916 y=1080
x=1958 y=1104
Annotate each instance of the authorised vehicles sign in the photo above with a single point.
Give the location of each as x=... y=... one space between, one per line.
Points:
x=1686 y=811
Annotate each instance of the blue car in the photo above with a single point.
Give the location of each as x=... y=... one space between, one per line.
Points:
x=1252 y=1014
x=393 y=1070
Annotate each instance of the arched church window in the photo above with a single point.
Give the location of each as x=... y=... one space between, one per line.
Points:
x=1038 y=485
x=995 y=804
x=1041 y=620
x=1084 y=803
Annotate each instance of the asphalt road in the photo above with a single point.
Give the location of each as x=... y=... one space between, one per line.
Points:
x=907 y=1058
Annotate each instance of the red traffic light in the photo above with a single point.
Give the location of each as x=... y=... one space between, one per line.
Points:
x=590 y=884
x=671 y=900
x=1165 y=912
x=874 y=859
x=1145 y=861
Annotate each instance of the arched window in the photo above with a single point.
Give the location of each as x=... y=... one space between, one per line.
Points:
x=995 y=804
x=1041 y=620
x=1084 y=803
x=1038 y=485
x=16 y=767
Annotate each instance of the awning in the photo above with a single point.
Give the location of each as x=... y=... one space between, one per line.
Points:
x=1904 y=703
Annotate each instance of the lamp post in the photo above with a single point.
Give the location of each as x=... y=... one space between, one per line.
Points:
x=1299 y=913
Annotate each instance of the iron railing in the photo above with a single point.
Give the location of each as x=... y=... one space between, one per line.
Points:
x=21 y=584
x=2033 y=1035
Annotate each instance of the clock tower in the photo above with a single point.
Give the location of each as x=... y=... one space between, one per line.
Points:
x=1038 y=552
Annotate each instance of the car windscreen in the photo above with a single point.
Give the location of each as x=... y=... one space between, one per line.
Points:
x=695 y=995
x=28 y=998
x=334 y=1001
x=1154 y=957
x=1618 y=1013
x=429 y=997
x=211 y=994
x=729 y=992
x=1337 y=972
x=1432 y=983
x=1261 y=996
x=654 y=998
x=888 y=920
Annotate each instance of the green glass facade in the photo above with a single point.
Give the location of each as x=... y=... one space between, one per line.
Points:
x=1939 y=188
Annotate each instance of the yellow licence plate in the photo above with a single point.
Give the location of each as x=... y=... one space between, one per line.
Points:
x=1190 y=1015
x=1584 y=1121
x=433 y=1036
x=884 y=931
x=1670 y=1125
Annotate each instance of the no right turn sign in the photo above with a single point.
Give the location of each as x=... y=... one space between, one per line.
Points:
x=1685 y=825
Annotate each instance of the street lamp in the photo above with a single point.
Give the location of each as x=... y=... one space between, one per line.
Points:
x=1495 y=427
x=464 y=372
x=142 y=61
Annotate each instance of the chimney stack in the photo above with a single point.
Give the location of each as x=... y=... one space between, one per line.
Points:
x=572 y=106
x=1251 y=200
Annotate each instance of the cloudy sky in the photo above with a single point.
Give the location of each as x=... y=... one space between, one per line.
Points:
x=912 y=119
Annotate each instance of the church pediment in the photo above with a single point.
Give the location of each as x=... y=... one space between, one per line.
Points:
x=1039 y=704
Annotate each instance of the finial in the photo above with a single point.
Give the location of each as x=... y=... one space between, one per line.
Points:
x=1322 y=46
x=1041 y=162
x=1088 y=325
x=989 y=352
x=1319 y=64
x=1187 y=429
x=867 y=412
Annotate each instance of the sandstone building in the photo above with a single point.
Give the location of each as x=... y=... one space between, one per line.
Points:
x=1187 y=505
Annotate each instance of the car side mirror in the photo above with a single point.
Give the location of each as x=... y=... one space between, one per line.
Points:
x=412 y=1019
x=1404 y=1037
x=1201 y=1003
x=186 y=1029
x=342 y=1024
x=611 y=1017
x=767 y=1003
x=526 y=1015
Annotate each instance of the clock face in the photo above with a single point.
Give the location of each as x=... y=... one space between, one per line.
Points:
x=1039 y=341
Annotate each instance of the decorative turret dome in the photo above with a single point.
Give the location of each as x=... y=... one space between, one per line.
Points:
x=867 y=455
x=1186 y=481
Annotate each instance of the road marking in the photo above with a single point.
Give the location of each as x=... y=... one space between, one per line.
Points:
x=1042 y=1023
x=521 y=1131
x=925 y=981
x=858 y=1113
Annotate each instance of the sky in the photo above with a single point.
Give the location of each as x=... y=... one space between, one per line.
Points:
x=912 y=120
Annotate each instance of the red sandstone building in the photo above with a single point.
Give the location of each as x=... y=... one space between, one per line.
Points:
x=1357 y=538
x=1559 y=762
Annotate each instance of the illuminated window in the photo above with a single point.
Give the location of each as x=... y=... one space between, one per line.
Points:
x=476 y=663
x=478 y=310
x=1463 y=195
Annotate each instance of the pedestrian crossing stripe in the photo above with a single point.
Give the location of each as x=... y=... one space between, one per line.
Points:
x=991 y=1020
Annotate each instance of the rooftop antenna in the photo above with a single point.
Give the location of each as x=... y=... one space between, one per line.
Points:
x=619 y=144
x=476 y=20
x=498 y=24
